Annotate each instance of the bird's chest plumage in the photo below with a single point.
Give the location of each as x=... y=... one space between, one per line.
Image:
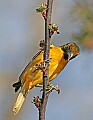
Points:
x=56 y=65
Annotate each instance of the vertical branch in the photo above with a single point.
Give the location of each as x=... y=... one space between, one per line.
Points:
x=46 y=56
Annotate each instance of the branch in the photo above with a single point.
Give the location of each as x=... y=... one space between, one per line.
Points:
x=46 y=56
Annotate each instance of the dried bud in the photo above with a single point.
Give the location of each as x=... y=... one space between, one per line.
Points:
x=58 y=91
x=53 y=28
x=58 y=32
x=37 y=101
x=42 y=43
x=51 y=33
x=44 y=14
x=41 y=8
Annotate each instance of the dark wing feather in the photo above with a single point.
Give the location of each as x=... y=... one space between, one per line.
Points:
x=17 y=85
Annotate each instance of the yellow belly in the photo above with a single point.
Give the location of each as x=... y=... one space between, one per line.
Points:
x=56 y=65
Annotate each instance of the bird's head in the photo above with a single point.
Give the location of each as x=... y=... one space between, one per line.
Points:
x=71 y=50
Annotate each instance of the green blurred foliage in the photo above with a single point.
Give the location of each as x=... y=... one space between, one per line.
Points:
x=82 y=11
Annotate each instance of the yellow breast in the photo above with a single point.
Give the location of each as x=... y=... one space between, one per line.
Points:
x=56 y=65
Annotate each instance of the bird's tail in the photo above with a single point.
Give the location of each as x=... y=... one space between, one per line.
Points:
x=19 y=101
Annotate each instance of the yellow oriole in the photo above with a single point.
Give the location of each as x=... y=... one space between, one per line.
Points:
x=60 y=56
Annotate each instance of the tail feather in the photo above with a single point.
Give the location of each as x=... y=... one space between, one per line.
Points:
x=18 y=103
x=17 y=85
x=20 y=98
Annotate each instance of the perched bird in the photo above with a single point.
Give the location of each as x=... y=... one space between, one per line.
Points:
x=60 y=56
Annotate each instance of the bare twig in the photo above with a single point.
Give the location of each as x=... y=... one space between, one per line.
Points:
x=46 y=56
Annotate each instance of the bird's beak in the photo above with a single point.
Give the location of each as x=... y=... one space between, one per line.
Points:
x=70 y=56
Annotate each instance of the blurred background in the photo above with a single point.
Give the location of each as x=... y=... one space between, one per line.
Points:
x=21 y=29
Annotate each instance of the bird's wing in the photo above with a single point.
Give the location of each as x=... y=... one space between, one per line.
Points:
x=21 y=80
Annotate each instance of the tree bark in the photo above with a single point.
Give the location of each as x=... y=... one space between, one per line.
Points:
x=46 y=57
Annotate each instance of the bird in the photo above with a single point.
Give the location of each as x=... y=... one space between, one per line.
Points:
x=30 y=77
